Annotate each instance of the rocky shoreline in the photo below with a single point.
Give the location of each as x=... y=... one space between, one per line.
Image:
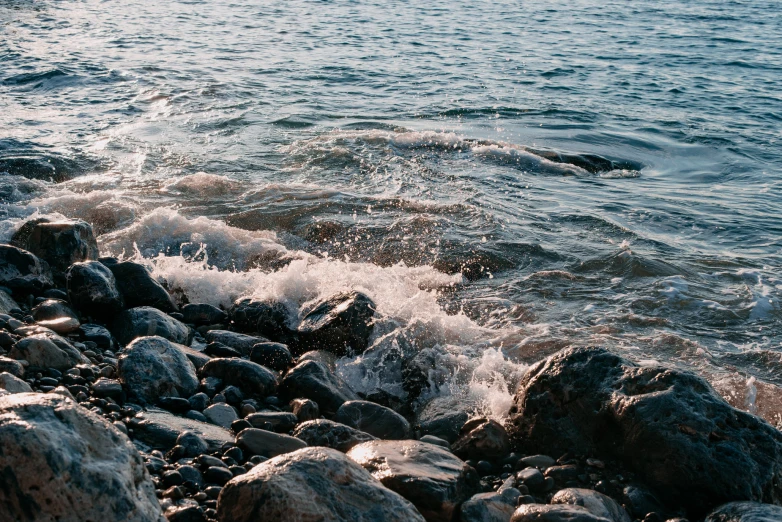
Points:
x=119 y=402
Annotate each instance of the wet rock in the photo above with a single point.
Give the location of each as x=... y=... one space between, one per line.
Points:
x=490 y=507
x=200 y=314
x=47 y=350
x=23 y=271
x=11 y=366
x=107 y=388
x=313 y=380
x=323 y=432
x=99 y=335
x=558 y=513
x=199 y=401
x=267 y=443
x=55 y=315
x=321 y=356
x=220 y=414
x=482 y=439
x=596 y=503
x=139 y=288
x=311 y=484
x=437 y=441
x=379 y=421
x=745 y=512
x=532 y=478
x=7 y=302
x=147 y=321
x=541 y=462
x=441 y=418
x=304 y=409
x=93 y=290
x=240 y=342
x=340 y=324
x=63 y=462
x=562 y=474
x=13 y=384
x=59 y=243
x=272 y=355
x=266 y=317
x=430 y=477
x=221 y=350
x=153 y=367
x=160 y=430
x=280 y=421
x=188 y=513
x=668 y=426
x=199 y=359
x=246 y=375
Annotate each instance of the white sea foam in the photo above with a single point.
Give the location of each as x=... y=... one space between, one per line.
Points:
x=203 y=185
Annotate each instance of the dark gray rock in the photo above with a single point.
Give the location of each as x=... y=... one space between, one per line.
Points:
x=321 y=356
x=322 y=432
x=199 y=401
x=311 y=484
x=59 y=243
x=47 y=350
x=199 y=359
x=490 y=507
x=267 y=443
x=745 y=512
x=7 y=302
x=596 y=503
x=558 y=513
x=21 y=270
x=11 y=366
x=532 y=478
x=432 y=478
x=669 y=426
x=251 y=378
x=55 y=315
x=99 y=335
x=107 y=388
x=313 y=380
x=146 y=321
x=341 y=324
x=272 y=355
x=638 y=500
x=139 y=288
x=191 y=474
x=266 y=317
x=160 y=429
x=60 y=461
x=377 y=420
x=482 y=438
x=239 y=342
x=442 y=418
x=201 y=314
x=153 y=367
x=221 y=414
x=13 y=384
x=304 y=409
x=221 y=350
x=193 y=443
x=93 y=290
x=281 y=421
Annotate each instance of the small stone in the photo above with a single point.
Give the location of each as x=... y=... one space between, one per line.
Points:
x=199 y=401
x=107 y=388
x=532 y=478
x=539 y=461
x=377 y=420
x=194 y=444
x=172 y=478
x=218 y=475
x=305 y=409
x=272 y=355
x=221 y=414
x=267 y=443
x=431 y=439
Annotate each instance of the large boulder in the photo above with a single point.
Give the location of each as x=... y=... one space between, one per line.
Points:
x=311 y=484
x=147 y=321
x=377 y=420
x=341 y=324
x=429 y=476
x=47 y=350
x=93 y=290
x=60 y=243
x=160 y=429
x=323 y=432
x=21 y=270
x=745 y=512
x=669 y=426
x=153 y=367
x=245 y=375
x=139 y=288
x=313 y=380
x=62 y=462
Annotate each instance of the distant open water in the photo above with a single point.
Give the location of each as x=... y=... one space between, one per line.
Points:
x=503 y=178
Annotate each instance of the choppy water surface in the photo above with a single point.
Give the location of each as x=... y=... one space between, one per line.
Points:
x=503 y=178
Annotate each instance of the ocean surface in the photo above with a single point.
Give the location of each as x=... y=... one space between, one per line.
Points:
x=504 y=179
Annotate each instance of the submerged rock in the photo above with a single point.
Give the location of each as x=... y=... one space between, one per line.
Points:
x=245 y=375
x=146 y=321
x=313 y=380
x=153 y=367
x=139 y=288
x=311 y=484
x=668 y=426
x=63 y=462
x=432 y=478
x=22 y=270
x=59 y=243
x=47 y=350
x=340 y=324
x=379 y=421
x=93 y=290
x=596 y=503
x=745 y=512
x=323 y=432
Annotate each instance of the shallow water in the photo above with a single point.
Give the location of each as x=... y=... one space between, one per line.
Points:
x=503 y=179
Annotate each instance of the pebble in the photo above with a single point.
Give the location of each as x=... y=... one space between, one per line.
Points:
x=532 y=478
x=221 y=414
x=217 y=474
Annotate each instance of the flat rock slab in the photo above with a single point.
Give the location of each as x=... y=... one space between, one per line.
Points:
x=429 y=476
x=312 y=484
x=160 y=429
